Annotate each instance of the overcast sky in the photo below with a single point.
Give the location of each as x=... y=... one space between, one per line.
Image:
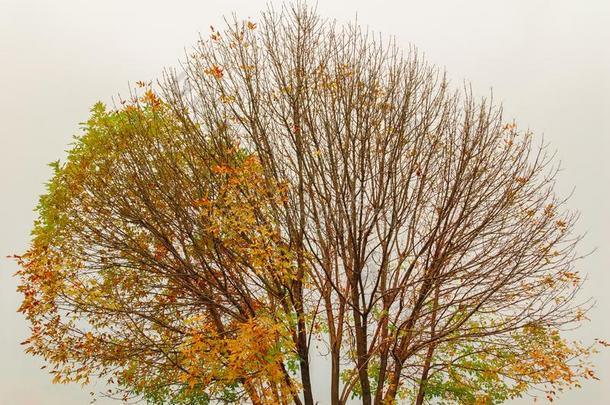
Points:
x=547 y=61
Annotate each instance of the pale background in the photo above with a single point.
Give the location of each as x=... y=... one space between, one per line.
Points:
x=548 y=62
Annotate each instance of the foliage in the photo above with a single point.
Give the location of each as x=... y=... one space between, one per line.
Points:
x=155 y=262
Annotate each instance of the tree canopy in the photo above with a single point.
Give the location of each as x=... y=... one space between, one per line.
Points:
x=307 y=190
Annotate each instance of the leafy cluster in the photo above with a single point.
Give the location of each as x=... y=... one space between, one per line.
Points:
x=155 y=262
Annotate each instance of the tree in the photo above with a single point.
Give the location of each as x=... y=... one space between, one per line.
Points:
x=155 y=263
x=306 y=181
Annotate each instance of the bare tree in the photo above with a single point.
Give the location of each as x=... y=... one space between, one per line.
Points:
x=420 y=219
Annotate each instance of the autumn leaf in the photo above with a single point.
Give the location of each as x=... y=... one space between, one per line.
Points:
x=215 y=71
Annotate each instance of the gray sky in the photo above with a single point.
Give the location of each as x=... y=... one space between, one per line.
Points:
x=547 y=61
